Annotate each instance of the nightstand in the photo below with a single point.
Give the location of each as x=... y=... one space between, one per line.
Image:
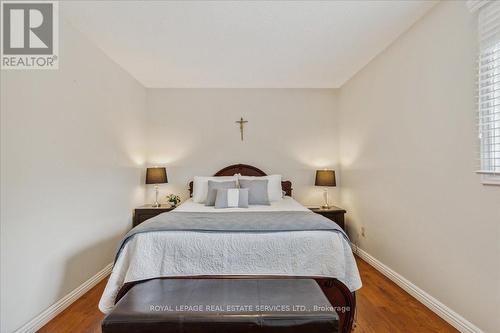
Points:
x=145 y=212
x=335 y=214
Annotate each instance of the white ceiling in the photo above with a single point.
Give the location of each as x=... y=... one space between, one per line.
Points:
x=243 y=44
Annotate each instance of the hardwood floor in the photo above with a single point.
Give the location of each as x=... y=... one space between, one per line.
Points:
x=382 y=307
x=82 y=316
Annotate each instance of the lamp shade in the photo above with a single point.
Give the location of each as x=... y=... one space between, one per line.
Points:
x=325 y=178
x=156 y=176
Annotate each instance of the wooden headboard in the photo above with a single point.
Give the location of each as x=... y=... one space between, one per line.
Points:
x=246 y=170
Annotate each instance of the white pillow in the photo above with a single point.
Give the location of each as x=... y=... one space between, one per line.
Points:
x=274 y=190
x=200 y=186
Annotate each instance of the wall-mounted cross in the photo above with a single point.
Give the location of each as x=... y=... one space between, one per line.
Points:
x=241 y=122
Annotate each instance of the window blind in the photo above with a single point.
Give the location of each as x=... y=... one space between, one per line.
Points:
x=489 y=89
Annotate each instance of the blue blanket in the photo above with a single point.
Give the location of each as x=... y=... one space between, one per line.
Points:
x=243 y=222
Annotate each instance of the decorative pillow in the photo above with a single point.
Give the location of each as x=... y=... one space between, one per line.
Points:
x=200 y=186
x=232 y=198
x=274 y=190
x=213 y=187
x=257 y=191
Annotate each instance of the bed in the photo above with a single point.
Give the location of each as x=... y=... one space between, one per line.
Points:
x=281 y=241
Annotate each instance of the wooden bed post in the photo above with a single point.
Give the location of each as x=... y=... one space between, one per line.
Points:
x=342 y=299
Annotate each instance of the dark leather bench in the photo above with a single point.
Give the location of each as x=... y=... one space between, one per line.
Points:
x=223 y=305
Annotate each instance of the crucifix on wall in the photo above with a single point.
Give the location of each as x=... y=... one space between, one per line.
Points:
x=242 y=123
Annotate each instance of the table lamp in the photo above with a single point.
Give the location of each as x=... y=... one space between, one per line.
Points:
x=156 y=176
x=325 y=178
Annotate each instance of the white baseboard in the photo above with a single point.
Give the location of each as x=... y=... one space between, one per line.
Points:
x=43 y=318
x=453 y=318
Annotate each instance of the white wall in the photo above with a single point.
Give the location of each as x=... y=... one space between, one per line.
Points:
x=290 y=131
x=71 y=149
x=408 y=155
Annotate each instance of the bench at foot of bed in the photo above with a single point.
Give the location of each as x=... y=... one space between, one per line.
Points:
x=223 y=305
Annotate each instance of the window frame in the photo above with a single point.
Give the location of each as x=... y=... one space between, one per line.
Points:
x=488 y=90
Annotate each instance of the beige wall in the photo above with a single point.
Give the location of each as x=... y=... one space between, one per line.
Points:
x=290 y=131
x=71 y=146
x=408 y=155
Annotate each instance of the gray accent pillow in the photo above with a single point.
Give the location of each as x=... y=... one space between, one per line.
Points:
x=232 y=198
x=213 y=187
x=257 y=191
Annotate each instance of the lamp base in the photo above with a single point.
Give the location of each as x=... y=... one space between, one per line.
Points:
x=156 y=204
x=325 y=195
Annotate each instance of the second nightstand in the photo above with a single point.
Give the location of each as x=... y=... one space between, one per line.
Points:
x=145 y=212
x=335 y=214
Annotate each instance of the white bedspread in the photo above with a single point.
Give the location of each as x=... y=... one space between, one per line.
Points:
x=188 y=253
